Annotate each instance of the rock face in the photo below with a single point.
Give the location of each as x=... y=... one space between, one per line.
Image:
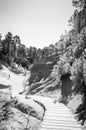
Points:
x=74 y=96
x=16 y=111
x=42 y=81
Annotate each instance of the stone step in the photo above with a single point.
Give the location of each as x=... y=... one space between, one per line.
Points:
x=57 y=114
x=60 y=121
x=60 y=118
x=59 y=127
x=57 y=108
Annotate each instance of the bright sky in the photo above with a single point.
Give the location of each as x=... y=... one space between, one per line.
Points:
x=37 y=22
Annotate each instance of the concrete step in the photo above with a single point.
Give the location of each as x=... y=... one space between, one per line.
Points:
x=60 y=123
x=59 y=117
x=60 y=127
x=57 y=114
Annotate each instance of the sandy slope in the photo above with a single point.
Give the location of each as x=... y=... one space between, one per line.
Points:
x=17 y=83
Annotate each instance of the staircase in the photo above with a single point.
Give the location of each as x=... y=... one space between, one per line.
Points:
x=57 y=116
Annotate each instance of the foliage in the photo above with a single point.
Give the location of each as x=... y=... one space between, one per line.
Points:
x=77 y=70
x=71 y=47
x=78 y=3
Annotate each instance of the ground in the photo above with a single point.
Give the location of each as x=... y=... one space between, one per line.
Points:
x=17 y=112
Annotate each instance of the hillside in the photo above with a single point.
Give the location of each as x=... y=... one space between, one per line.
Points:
x=46 y=80
x=16 y=112
x=42 y=80
x=17 y=109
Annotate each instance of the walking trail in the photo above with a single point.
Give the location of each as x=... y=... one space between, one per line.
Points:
x=57 y=116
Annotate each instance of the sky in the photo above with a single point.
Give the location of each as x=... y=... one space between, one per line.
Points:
x=37 y=22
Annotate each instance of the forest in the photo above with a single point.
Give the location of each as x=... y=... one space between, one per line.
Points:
x=71 y=47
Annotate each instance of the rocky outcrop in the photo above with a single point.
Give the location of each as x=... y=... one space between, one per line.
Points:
x=43 y=80
x=29 y=106
x=15 y=115
x=74 y=96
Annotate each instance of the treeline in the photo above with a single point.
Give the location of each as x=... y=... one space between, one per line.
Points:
x=73 y=59
x=13 y=51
